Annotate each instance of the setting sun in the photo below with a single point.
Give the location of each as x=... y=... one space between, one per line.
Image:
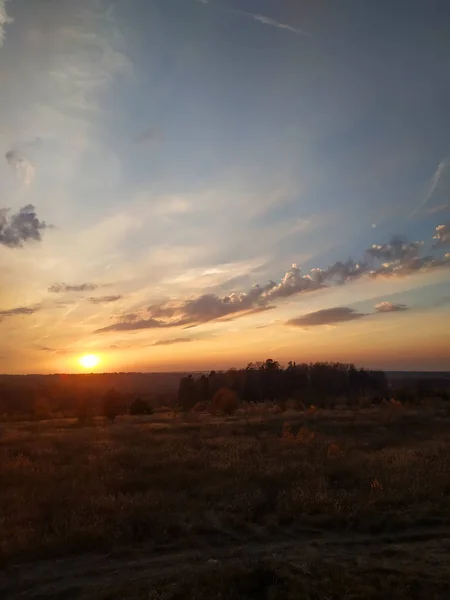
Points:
x=89 y=361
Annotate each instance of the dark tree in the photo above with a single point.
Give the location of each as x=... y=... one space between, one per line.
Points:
x=112 y=405
x=140 y=407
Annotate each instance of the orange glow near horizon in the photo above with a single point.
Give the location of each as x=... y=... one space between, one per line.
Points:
x=89 y=361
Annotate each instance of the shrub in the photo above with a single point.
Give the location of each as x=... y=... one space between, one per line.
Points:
x=305 y=437
x=140 y=407
x=225 y=401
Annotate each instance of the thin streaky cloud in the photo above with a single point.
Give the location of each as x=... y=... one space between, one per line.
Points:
x=433 y=184
x=438 y=209
x=104 y=299
x=326 y=316
x=262 y=19
x=61 y=288
x=272 y=22
x=20 y=311
x=172 y=341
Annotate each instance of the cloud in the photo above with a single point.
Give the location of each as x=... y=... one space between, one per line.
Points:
x=24 y=168
x=4 y=20
x=20 y=310
x=383 y=307
x=136 y=325
x=442 y=235
x=438 y=209
x=261 y=19
x=273 y=22
x=61 y=288
x=397 y=250
x=327 y=316
x=434 y=183
x=20 y=228
x=398 y=258
x=172 y=341
x=104 y=299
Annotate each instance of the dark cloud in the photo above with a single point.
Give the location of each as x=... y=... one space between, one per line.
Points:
x=327 y=316
x=21 y=227
x=104 y=299
x=172 y=341
x=398 y=249
x=397 y=258
x=383 y=307
x=61 y=288
x=20 y=310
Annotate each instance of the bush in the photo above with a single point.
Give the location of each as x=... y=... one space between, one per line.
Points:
x=140 y=407
x=225 y=401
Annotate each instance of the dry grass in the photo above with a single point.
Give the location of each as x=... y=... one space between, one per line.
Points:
x=168 y=483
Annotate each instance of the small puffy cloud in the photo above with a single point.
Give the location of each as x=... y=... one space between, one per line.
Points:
x=327 y=316
x=4 y=20
x=20 y=311
x=383 y=307
x=21 y=227
x=24 y=168
x=61 y=288
x=104 y=299
x=169 y=342
x=442 y=235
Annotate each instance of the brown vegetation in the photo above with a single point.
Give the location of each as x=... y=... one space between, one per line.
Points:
x=172 y=483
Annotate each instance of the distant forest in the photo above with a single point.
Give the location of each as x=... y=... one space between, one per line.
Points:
x=321 y=384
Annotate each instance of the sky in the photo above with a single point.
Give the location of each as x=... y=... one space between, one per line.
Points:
x=198 y=184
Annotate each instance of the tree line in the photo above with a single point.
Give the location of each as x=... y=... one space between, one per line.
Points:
x=320 y=383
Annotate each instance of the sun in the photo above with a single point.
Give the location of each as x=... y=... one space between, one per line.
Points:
x=89 y=361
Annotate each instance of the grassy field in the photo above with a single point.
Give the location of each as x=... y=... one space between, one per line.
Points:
x=203 y=506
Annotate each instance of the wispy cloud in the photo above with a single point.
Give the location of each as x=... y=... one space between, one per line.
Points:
x=21 y=227
x=327 y=316
x=20 y=310
x=104 y=299
x=438 y=209
x=61 y=288
x=265 y=20
x=4 y=20
x=172 y=341
x=272 y=22
x=433 y=183
x=342 y=314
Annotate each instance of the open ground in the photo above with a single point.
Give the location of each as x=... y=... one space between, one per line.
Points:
x=344 y=503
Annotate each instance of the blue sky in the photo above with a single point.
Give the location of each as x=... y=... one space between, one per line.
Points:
x=177 y=153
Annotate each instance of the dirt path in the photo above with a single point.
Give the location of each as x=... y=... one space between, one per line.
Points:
x=427 y=550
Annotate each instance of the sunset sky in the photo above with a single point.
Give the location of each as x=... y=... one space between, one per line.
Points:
x=195 y=184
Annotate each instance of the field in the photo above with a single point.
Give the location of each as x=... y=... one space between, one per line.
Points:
x=345 y=503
